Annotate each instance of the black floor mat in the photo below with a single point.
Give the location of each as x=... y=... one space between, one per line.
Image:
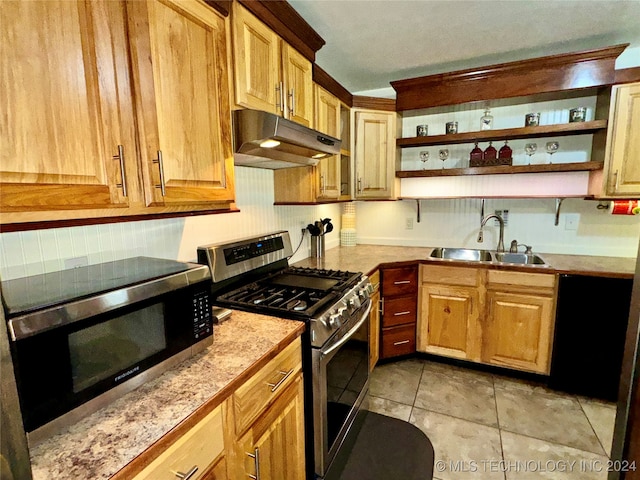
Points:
x=385 y=448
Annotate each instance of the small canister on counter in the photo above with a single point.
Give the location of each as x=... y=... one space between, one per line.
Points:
x=421 y=130
x=578 y=114
x=532 y=119
x=451 y=127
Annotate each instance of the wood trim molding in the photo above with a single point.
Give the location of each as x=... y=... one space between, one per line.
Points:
x=77 y=222
x=627 y=75
x=556 y=73
x=288 y=24
x=331 y=85
x=374 y=103
x=223 y=7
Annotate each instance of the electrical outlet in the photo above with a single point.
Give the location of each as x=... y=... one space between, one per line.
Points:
x=505 y=217
x=571 y=221
x=76 y=262
x=408 y=223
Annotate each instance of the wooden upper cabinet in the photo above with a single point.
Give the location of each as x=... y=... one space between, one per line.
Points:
x=270 y=75
x=327 y=120
x=623 y=148
x=257 y=63
x=375 y=154
x=179 y=51
x=298 y=82
x=65 y=74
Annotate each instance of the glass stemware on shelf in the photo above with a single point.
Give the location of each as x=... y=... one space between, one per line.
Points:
x=443 y=155
x=530 y=149
x=424 y=158
x=552 y=147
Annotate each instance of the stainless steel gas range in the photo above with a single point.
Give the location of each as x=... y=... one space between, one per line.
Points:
x=253 y=274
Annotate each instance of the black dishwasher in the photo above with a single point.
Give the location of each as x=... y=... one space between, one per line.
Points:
x=591 y=323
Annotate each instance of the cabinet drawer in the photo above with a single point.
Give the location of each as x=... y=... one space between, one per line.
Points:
x=261 y=390
x=398 y=341
x=399 y=310
x=199 y=447
x=516 y=280
x=467 y=277
x=399 y=281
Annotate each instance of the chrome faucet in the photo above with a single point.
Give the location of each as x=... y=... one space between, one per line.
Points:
x=500 y=247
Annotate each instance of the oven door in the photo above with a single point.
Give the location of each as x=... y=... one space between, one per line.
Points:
x=340 y=375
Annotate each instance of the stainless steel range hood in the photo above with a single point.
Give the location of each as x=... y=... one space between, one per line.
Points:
x=265 y=140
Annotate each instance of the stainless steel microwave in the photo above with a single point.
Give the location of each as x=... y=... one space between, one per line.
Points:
x=82 y=337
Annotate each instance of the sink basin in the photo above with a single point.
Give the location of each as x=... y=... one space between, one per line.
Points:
x=468 y=254
x=519 y=258
x=474 y=255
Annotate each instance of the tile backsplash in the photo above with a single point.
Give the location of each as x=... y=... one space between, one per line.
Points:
x=41 y=251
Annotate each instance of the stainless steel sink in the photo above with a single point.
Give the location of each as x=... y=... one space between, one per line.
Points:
x=468 y=254
x=474 y=255
x=518 y=258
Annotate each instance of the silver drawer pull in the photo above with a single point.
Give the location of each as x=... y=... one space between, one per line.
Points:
x=400 y=282
x=400 y=343
x=256 y=461
x=123 y=179
x=401 y=313
x=275 y=386
x=189 y=474
x=160 y=163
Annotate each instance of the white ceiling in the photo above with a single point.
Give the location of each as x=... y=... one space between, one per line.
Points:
x=372 y=42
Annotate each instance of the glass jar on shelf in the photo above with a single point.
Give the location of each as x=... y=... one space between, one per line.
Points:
x=486 y=121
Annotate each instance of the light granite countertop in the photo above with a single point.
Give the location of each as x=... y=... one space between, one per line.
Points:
x=366 y=258
x=99 y=445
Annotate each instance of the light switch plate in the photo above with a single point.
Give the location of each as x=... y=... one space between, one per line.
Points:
x=409 y=223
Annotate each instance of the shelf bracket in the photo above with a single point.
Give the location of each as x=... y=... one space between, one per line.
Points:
x=417 y=210
x=558 y=205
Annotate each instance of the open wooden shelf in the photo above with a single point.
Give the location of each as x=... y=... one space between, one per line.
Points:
x=558 y=130
x=503 y=169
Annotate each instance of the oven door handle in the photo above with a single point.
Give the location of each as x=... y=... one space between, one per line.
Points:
x=345 y=339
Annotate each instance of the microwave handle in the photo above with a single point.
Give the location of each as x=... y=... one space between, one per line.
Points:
x=354 y=329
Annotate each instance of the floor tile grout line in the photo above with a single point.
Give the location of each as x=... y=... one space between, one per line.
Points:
x=495 y=404
x=592 y=428
x=552 y=442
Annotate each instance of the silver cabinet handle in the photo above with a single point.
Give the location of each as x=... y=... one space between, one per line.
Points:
x=382 y=306
x=617 y=182
x=359 y=185
x=256 y=461
x=188 y=475
x=292 y=96
x=123 y=178
x=401 y=313
x=402 y=282
x=400 y=343
x=322 y=185
x=161 y=168
x=275 y=386
x=279 y=101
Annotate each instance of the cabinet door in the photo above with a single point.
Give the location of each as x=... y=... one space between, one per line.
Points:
x=518 y=331
x=274 y=444
x=624 y=142
x=298 y=80
x=257 y=63
x=64 y=72
x=374 y=154
x=448 y=321
x=179 y=50
x=374 y=330
x=327 y=120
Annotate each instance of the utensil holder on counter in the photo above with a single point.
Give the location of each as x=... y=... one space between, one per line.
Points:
x=317 y=246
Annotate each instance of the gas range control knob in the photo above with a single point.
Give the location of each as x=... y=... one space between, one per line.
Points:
x=343 y=313
x=364 y=293
x=353 y=304
x=334 y=320
x=325 y=323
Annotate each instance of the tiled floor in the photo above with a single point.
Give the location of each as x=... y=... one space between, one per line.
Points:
x=486 y=426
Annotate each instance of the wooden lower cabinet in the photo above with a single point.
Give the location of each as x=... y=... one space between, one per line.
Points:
x=217 y=471
x=200 y=447
x=518 y=331
x=449 y=321
x=273 y=447
x=497 y=317
x=399 y=311
x=398 y=341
